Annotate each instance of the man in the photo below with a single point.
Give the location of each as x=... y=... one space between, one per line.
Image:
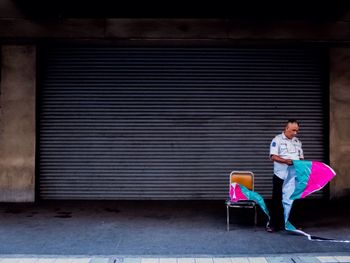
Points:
x=284 y=148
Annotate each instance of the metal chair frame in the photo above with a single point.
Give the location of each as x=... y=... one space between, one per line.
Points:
x=241 y=204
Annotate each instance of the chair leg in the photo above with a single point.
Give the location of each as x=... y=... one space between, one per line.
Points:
x=228 y=218
x=255 y=216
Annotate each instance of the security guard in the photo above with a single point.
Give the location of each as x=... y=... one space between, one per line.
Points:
x=284 y=148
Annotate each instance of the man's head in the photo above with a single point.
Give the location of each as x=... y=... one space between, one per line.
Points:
x=291 y=129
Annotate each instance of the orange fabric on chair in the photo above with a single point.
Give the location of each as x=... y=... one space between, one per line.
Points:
x=243 y=178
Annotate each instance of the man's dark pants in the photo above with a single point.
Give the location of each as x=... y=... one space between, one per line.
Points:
x=277 y=221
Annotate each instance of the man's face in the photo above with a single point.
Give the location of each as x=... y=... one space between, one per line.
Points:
x=291 y=130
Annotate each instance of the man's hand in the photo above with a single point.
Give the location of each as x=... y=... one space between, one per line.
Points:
x=289 y=161
x=276 y=158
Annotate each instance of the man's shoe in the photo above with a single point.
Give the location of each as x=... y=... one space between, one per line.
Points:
x=270 y=229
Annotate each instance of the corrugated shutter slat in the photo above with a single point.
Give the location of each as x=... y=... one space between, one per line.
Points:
x=171 y=123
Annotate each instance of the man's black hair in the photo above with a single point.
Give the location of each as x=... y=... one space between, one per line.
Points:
x=292 y=121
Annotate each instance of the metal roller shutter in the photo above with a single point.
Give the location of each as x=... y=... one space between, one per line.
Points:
x=171 y=123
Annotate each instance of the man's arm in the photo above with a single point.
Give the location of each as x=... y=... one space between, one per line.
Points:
x=301 y=152
x=278 y=159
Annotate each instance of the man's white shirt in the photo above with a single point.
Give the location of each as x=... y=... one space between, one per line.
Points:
x=286 y=149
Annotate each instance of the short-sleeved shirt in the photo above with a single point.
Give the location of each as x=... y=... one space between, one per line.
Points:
x=287 y=149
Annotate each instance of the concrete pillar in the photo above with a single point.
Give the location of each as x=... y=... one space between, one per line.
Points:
x=17 y=123
x=340 y=121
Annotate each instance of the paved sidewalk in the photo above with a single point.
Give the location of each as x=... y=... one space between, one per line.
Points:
x=267 y=259
x=165 y=229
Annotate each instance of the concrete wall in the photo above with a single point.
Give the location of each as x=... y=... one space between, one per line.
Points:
x=18 y=72
x=30 y=20
x=17 y=126
x=340 y=121
x=118 y=29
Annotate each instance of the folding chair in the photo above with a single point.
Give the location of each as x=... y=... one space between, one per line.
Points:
x=245 y=178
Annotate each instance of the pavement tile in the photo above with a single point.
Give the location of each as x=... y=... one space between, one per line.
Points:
x=27 y=260
x=239 y=260
x=327 y=259
x=10 y=260
x=309 y=259
x=222 y=260
x=203 y=260
x=98 y=260
x=131 y=260
x=149 y=260
x=343 y=259
x=295 y=259
x=81 y=260
x=257 y=260
x=167 y=260
x=286 y=260
x=278 y=259
x=63 y=260
x=46 y=260
x=185 y=260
